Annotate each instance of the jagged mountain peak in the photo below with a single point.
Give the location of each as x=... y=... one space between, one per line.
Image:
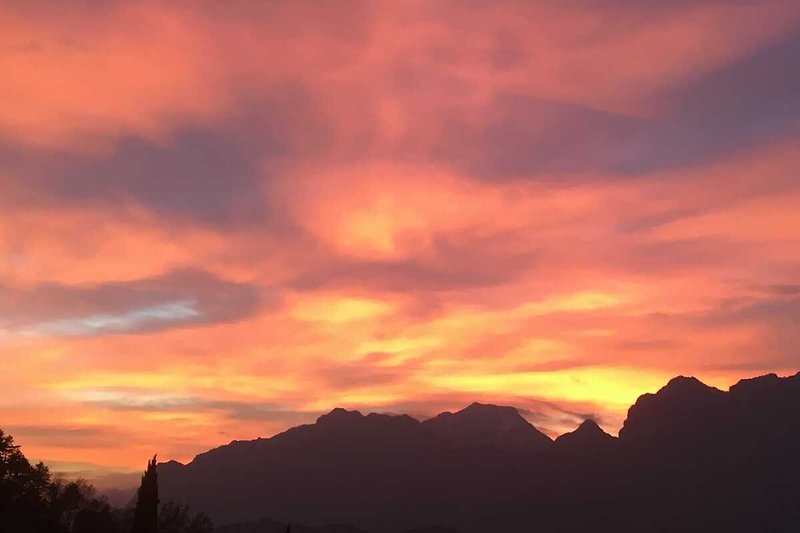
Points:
x=589 y=426
x=588 y=436
x=765 y=384
x=488 y=411
x=489 y=407
x=481 y=416
x=687 y=385
x=339 y=415
x=481 y=424
x=684 y=410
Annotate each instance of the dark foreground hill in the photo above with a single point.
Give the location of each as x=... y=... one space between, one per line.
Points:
x=267 y=525
x=271 y=526
x=689 y=458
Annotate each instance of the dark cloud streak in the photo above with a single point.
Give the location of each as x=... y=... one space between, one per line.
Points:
x=215 y=174
x=747 y=104
x=179 y=298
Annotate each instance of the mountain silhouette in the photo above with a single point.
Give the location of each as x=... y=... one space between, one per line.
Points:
x=683 y=413
x=488 y=425
x=588 y=439
x=689 y=458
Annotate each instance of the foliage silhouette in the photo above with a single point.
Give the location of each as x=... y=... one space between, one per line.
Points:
x=31 y=501
x=24 y=489
x=145 y=517
x=176 y=518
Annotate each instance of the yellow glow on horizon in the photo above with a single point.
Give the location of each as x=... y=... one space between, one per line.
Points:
x=615 y=387
x=354 y=399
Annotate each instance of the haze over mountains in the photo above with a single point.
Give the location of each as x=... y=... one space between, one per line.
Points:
x=688 y=458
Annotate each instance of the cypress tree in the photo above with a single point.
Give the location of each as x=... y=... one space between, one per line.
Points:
x=145 y=517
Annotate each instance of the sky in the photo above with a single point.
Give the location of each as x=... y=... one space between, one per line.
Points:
x=219 y=220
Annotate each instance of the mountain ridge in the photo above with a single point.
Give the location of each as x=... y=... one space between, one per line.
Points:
x=485 y=467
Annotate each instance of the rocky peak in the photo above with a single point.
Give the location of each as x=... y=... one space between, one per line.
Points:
x=588 y=436
x=339 y=416
x=481 y=424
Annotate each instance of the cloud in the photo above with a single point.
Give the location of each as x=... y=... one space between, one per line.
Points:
x=524 y=136
x=176 y=299
x=774 y=308
x=454 y=261
x=67 y=436
x=370 y=371
x=111 y=73
x=785 y=290
x=746 y=104
x=197 y=174
x=217 y=175
x=740 y=106
x=151 y=400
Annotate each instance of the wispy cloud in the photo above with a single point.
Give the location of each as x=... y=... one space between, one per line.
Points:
x=175 y=299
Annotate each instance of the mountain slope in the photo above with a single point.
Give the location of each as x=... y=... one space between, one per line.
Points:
x=374 y=471
x=588 y=438
x=488 y=425
x=689 y=458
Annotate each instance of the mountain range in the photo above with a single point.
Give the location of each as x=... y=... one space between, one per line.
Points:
x=688 y=458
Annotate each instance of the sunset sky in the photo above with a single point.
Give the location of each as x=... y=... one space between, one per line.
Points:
x=222 y=219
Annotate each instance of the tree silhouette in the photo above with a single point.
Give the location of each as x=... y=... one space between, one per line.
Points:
x=177 y=518
x=32 y=501
x=145 y=518
x=24 y=490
